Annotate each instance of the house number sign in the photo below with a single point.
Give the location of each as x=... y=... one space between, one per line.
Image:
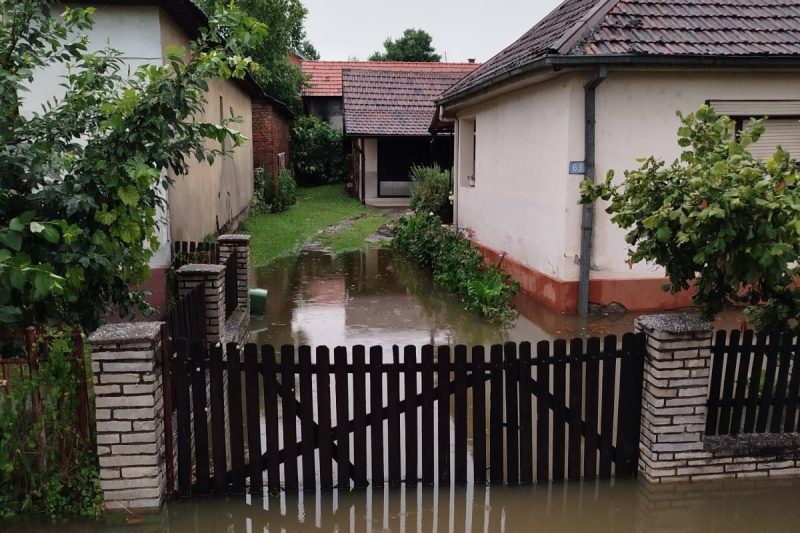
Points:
x=577 y=168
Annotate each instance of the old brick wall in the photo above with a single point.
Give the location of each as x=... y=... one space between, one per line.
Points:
x=270 y=135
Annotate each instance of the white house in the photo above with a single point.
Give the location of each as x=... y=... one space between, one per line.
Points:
x=209 y=198
x=592 y=87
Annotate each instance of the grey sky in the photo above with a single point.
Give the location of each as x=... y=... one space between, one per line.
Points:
x=461 y=29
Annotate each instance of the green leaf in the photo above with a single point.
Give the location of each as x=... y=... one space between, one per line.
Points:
x=17 y=279
x=12 y=240
x=129 y=195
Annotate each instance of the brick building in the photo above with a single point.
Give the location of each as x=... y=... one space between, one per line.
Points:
x=271 y=123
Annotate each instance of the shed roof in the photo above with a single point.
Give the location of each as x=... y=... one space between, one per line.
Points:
x=387 y=102
x=326 y=76
x=647 y=29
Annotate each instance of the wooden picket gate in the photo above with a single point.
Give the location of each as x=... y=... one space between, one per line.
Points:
x=309 y=421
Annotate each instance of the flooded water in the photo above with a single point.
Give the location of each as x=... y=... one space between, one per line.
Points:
x=374 y=297
x=710 y=506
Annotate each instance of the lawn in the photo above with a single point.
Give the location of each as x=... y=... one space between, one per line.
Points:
x=282 y=234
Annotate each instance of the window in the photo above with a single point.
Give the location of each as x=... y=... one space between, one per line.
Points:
x=468 y=148
x=781 y=129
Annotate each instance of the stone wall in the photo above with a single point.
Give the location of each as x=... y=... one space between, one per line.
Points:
x=673 y=444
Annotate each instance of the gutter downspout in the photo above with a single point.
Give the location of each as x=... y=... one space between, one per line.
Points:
x=587 y=213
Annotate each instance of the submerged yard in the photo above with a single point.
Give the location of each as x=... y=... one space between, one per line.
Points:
x=318 y=208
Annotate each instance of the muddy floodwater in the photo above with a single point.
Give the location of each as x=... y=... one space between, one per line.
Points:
x=709 y=506
x=374 y=297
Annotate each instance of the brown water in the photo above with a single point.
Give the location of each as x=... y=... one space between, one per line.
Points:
x=724 y=506
x=374 y=297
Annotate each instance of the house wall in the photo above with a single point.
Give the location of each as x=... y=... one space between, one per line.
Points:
x=518 y=203
x=636 y=117
x=525 y=203
x=270 y=136
x=370 y=168
x=133 y=31
x=328 y=109
x=209 y=197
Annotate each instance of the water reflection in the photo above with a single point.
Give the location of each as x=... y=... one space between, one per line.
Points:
x=728 y=506
x=374 y=297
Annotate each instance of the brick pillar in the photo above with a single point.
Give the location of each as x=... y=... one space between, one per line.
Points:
x=241 y=244
x=129 y=410
x=676 y=375
x=212 y=277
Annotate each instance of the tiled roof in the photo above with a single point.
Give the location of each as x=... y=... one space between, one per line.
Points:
x=727 y=28
x=383 y=102
x=326 y=76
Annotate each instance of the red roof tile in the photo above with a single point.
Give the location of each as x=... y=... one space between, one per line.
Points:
x=326 y=76
x=717 y=28
x=381 y=102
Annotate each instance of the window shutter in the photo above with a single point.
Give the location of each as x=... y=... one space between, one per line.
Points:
x=756 y=108
x=778 y=132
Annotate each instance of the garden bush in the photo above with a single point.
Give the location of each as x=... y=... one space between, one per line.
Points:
x=456 y=265
x=722 y=222
x=430 y=191
x=317 y=152
x=273 y=194
x=34 y=478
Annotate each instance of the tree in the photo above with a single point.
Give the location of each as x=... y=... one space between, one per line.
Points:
x=720 y=221
x=80 y=179
x=414 y=45
x=308 y=51
x=317 y=152
x=284 y=19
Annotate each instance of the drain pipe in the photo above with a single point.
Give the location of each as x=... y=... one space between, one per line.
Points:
x=587 y=213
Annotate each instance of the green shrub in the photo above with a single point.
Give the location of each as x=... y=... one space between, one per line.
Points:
x=273 y=194
x=456 y=265
x=280 y=193
x=33 y=476
x=317 y=150
x=430 y=191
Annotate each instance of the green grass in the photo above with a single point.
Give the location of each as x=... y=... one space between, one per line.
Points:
x=353 y=237
x=282 y=234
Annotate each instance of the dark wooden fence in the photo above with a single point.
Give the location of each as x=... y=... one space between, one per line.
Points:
x=231 y=285
x=567 y=410
x=187 y=318
x=755 y=384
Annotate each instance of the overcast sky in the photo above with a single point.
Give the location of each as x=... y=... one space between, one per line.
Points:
x=461 y=29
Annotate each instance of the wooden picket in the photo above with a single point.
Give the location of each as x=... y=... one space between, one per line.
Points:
x=371 y=418
x=755 y=383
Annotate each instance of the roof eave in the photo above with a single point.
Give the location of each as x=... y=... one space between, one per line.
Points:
x=561 y=62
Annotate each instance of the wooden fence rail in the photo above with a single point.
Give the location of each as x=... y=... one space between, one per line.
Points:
x=755 y=383
x=352 y=418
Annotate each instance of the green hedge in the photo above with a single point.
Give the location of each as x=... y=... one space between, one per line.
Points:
x=318 y=155
x=456 y=265
x=430 y=191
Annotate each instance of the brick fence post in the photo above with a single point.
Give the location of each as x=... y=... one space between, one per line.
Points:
x=129 y=409
x=241 y=245
x=676 y=375
x=212 y=277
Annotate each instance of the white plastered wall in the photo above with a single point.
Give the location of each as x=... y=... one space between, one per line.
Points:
x=525 y=202
x=522 y=180
x=636 y=117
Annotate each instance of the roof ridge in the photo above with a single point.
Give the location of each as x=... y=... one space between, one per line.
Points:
x=584 y=26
